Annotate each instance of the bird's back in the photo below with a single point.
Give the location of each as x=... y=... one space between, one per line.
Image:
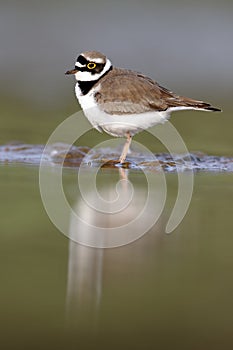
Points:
x=126 y=91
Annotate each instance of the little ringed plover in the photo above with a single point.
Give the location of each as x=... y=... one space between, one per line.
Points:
x=122 y=102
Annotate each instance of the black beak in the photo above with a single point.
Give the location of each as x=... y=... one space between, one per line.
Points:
x=72 y=71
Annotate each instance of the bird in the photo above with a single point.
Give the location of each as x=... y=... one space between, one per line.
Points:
x=123 y=102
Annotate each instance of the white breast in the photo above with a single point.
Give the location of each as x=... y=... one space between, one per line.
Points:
x=116 y=125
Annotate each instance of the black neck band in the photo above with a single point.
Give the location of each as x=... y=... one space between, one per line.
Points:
x=85 y=86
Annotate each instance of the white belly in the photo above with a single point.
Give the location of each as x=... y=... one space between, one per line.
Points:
x=117 y=125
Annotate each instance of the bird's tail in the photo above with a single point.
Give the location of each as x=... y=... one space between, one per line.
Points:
x=177 y=102
x=195 y=104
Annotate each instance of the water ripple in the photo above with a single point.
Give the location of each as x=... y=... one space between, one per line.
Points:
x=106 y=157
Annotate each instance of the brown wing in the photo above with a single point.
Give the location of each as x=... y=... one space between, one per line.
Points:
x=128 y=92
x=173 y=100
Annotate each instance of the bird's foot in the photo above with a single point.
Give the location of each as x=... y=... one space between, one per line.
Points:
x=116 y=164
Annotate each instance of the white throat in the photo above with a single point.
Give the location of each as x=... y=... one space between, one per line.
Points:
x=87 y=76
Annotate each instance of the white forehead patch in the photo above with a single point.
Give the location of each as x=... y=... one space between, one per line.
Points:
x=78 y=64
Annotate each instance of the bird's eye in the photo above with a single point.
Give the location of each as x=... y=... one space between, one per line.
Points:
x=91 y=65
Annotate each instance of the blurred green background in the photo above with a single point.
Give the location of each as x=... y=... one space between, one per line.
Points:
x=166 y=291
x=184 y=45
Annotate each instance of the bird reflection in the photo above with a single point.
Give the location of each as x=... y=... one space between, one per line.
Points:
x=84 y=285
x=104 y=225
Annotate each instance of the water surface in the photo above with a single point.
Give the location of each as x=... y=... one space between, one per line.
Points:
x=57 y=293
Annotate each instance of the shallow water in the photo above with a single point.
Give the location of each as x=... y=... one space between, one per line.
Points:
x=107 y=157
x=56 y=293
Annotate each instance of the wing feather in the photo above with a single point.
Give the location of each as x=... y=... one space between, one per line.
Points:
x=128 y=92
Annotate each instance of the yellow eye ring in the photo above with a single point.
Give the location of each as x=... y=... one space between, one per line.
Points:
x=91 y=65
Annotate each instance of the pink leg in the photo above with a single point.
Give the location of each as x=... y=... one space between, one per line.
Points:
x=126 y=148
